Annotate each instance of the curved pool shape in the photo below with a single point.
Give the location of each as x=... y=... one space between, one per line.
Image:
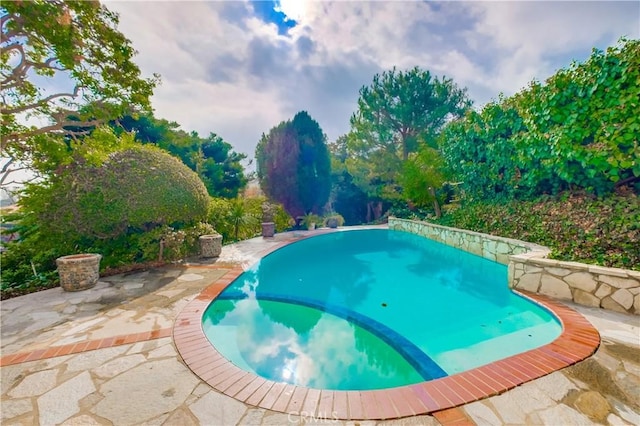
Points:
x=372 y=309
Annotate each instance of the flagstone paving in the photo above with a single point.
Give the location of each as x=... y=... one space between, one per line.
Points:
x=105 y=356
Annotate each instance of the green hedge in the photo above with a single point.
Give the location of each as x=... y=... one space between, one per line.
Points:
x=577 y=130
x=603 y=231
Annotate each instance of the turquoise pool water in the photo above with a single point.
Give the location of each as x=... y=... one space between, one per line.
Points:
x=372 y=309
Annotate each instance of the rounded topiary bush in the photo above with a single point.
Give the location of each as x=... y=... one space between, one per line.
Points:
x=138 y=189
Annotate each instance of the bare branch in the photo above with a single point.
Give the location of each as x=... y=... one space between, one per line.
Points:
x=56 y=127
x=41 y=102
x=5 y=173
x=7 y=165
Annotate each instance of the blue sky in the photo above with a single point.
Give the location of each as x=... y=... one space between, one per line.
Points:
x=238 y=68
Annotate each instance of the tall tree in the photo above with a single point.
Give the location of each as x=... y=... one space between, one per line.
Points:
x=314 y=164
x=400 y=112
x=212 y=157
x=52 y=41
x=293 y=165
x=400 y=108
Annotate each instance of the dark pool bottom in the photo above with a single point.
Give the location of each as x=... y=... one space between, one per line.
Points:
x=579 y=340
x=423 y=364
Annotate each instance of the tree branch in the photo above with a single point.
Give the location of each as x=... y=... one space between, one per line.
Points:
x=56 y=127
x=41 y=102
x=6 y=171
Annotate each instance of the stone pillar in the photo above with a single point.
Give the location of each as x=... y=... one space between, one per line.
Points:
x=210 y=245
x=268 y=229
x=79 y=271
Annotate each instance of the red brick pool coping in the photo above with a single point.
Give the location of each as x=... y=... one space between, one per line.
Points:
x=579 y=340
x=84 y=346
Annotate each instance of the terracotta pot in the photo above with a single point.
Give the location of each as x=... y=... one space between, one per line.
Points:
x=78 y=271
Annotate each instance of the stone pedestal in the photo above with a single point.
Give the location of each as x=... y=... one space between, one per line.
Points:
x=268 y=229
x=210 y=245
x=79 y=271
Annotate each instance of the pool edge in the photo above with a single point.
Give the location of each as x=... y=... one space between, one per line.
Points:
x=577 y=341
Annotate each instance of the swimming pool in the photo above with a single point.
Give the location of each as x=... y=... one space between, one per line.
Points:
x=372 y=309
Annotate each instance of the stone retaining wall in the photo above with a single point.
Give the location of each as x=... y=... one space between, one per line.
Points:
x=609 y=288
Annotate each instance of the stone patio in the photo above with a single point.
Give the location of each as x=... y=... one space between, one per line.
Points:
x=105 y=356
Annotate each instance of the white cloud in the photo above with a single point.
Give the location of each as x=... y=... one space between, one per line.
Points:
x=226 y=70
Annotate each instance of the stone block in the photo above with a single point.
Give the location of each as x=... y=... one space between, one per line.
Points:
x=636 y=304
x=546 y=263
x=490 y=256
x=623 y=297
x=563 y=415
x=603 y=291
x=582 y=280
x=502 y=248
x=475 y=248
x=489 y=246
x=518 y=273
x=502 y=258
x=614 y=272
x=558 y=272
x=619 y=282
x=593 y=405
x=529 y=282
x=530 y=269
x=583 y=298
x=62 y=402
x=609 y=303
x=554 y=287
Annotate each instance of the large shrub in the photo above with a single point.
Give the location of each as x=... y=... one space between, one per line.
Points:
x=241 y=218
x=126 y=208
x=137 y=189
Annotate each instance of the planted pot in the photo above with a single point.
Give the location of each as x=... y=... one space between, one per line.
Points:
x=268 y=229
x=332 y=222
x=210 y=245
x=79 y=271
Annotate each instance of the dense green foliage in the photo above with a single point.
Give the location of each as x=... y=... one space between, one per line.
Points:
x=402 y=108
x=346 y=197
x=212 y=157
x=124 y=207
x=140 y=188
x=293 y=165
x=604 y=231
x=241 y=218
x=578 y=130
x=399 y=114
x=422 y=177
x=55 y=39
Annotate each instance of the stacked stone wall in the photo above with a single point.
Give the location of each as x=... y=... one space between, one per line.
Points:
x=529 y=269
